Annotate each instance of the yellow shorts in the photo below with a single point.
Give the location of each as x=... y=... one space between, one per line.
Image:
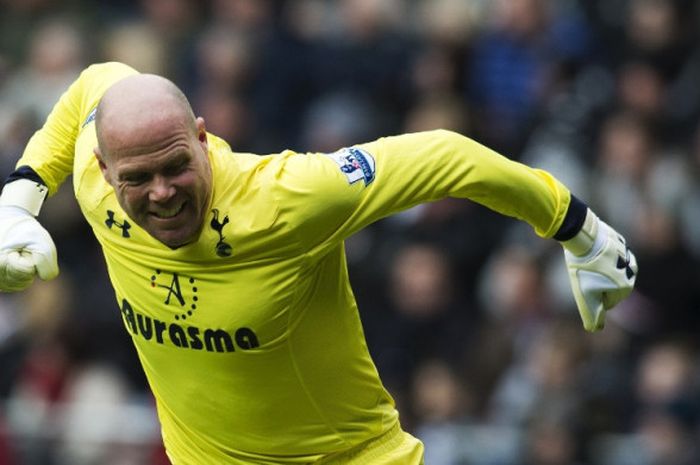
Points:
x=395 y=447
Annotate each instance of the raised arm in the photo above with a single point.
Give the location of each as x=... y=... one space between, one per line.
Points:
x=26 y=248
x=49 y=152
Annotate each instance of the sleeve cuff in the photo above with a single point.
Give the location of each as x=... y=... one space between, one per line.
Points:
x=24 y=189
x=25 y=172
x=573 y=220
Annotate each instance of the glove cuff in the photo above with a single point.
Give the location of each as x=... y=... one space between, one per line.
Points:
x=23 y=193
x=582 y=243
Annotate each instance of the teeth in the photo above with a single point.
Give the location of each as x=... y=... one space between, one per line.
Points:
x=165 y=214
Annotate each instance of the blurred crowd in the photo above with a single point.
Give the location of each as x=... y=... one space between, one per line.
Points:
x=468 y=315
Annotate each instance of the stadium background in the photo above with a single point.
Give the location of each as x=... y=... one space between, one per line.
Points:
x=468 y=315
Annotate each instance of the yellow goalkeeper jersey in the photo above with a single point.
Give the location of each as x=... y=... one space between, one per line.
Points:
x=250 y=337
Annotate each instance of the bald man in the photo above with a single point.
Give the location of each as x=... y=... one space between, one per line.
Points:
x=229 y=268
x=153 y=152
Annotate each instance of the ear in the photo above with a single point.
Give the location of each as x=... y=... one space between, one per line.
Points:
x=103 y=165
x=202 y=133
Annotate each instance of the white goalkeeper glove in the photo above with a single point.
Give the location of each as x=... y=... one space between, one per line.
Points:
x=26 y=248
x=602 y=270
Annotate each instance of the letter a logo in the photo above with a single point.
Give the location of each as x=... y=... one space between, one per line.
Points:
x=187 y=301
x=174 y=290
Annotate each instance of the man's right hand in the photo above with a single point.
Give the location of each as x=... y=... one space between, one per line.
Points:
x=26 y=248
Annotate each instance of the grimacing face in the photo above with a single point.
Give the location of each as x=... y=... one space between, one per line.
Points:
x=164 y=187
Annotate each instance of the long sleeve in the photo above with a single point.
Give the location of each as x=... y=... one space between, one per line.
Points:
x=327 y=197
x=50 y=151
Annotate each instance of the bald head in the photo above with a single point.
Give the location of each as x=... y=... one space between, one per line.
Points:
x=138 y=111
x=155 y=155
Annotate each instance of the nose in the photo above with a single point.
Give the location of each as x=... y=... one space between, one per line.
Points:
x=161 y=190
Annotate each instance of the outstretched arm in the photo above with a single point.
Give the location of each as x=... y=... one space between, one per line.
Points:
x=342 y=192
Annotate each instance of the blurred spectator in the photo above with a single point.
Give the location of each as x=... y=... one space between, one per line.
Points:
x=43 y=366
x=606 y=382
x=62 y=408
x=655 y=30
x=668 y=374
x=667 y=391
x=668 y=438
x=438 y=395
x=516 y=62
x=689 y=219
x=176 y=23
x=665 y=427
x=225 y=64
x=337 y=120
x=641 y=190
x=224 y=60
x=137 y=44
x=247 y=16
x=513 y=293
x=542 y=382
x=662 y=34
x=422 y=317
x=7 y=456
x=441 y=404
x=641 y=89
x=20 y=21
x=437 y=111
x=446 y=28
x=510 y=72
x=101 y=424
x=364 y=20
x=56 y=56
x=468 y=316
x=626 y=149
x=449 y=23
x=173 y=19
x=367 y=53
x=551 y=442
x=434 y=71
x=227 y=116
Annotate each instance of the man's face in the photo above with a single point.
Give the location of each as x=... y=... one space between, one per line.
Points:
x=165 y=186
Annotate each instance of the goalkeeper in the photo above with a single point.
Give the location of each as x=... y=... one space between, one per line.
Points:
x=229 y=269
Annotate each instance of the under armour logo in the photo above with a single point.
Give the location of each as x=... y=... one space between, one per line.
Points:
x=624 y=263
x=110 y=221
x=222 y=248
